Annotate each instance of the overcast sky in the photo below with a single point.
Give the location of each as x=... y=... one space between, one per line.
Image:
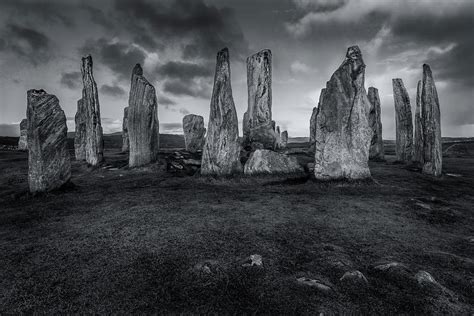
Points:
x=176 y=41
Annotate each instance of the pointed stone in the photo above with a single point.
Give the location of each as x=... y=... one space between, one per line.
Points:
x=194 y=132
x=221 y=153
x=125 y=141
x=49 y=166
x=418 y=140
x=284 y=139
x=143 y=125
x=404 y=122
x=94 y=138
x=80 y=135
x=312 y=123
x=343 y=133
x=432 y=151
x=23 y=140
x=376 y=145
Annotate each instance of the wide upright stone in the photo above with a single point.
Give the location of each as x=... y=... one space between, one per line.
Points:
x=404 y=122
x=418 y=139
x=143 y=125
x=259 y=112
x=94 y=139
x=49 y=166
x=221 y=153
x=23 y=140
x=284 y=139
x=343 y=133
x=194 y=132
x=80 y=135
x=125 y=141
x=312 y=123
x=376 y=144
x=432 y=151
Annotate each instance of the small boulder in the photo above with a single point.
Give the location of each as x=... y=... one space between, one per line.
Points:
x=253 y=261
x=354 y=279
x=317 y=284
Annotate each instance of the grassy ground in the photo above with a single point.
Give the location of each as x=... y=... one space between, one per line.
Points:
x=132 y=241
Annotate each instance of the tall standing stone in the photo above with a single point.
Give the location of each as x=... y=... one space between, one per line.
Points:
x=221 y=153
x=432 y=151
x=143 y=125
x=194 y=132
x=312 y=122
x=125 y=141
x=259 y=112
x=278 y=138
x=404 y=122
x=284 y=139
x=80 y=136
x=418 y=140
x=94 y=138
x=376 y=145
x=23 y=140
x=49 y=166
x=343 y=132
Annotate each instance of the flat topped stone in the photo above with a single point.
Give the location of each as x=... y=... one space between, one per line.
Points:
x=264 y=161
x=194 y=132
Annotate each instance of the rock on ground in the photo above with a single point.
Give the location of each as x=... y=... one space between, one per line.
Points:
x=221 y=153
x=343 y=133
x=143 y=125
x=125 y=140
x=376 y=145
x=194 y=132
x=264 y=161
x=49 y=166
x=94 y=144
x=418 y=140
x=403 y=120
x=23 y=140
x=80 y=136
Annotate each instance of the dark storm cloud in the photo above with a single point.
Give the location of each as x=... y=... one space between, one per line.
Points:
x=98 y=16
x=114 y=91
x=187 y=88
x=185 y=70
x=39 y=11
x=71 y=80
x=164 y=100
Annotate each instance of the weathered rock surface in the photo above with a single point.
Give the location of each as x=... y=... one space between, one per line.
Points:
x=245 y=128
x=312 y=123
x=314 y=283
x=284 y=139
x=259 y=112
x=49 y=166
x=264 y=161
x=278 y=138
x=404 y=122
x=255 y=260
x=431 y=118
x=418 y=140
x=343 y=133
x=194 y=132
x=125 y=140
x=80 y=136
x=143 y=125
x=221 y=153
x=23 y=140
x=376 y=145
x=94 y=139
x=183 y=162
x=354 y=279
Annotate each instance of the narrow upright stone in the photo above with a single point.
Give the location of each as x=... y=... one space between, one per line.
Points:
x=125 y=142
x=284 y=139
x=343 y=133
x=94 y=138
x=278 y=138
x=418 y=140
x=143 y=125
x=376 y=145
x=221 y=153
x=404 y=122
x=23 y=140
x=49 y=166
x=246 y=129
x=312 y=123
x=80 y=136
x=432 y=151
x=194 y=132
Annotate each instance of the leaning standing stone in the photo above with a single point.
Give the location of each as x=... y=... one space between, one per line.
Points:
x=403 y=120
x=125 y=142
x=48 y=157
x=194 y=132
x=80 y=136
x=432 y=151
x=376 y=145
x=418 y=141
x=221 y=153
x=23 y=141
x=143 y=125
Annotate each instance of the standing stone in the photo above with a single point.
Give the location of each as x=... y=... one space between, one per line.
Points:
x=94 y=139
x=194 y=132
x=404 y=122
x=376 y=145
x=343 y=133
x=48 y=157
x=246 y=128
x=259 y=112
x=143 y=125
x=263 y=161
x=80 y=136
x=312 y=122
x=284 y=139
x=418 y=141
x=432 y=151
x=221 y=153
x=23 y=141
x=125 y=141
x=278 y=138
